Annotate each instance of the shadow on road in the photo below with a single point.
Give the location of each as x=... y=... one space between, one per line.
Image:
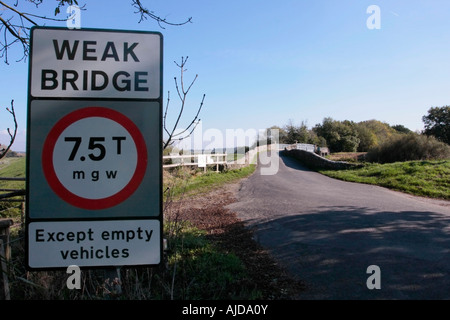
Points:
x=331 y=249
x=293 y=163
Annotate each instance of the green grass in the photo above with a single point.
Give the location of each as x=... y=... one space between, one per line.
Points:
x=421 y=178
x=11 y=168
x=203 y=271
x=184 y=182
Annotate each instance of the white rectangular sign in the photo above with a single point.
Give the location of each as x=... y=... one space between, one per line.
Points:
x=95 y=64
x=202 y=161
x=95 y=128
x=94 y=243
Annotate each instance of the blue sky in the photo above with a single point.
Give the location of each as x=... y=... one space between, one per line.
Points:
x=262 y=63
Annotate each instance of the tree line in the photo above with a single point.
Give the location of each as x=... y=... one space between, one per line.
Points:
x=350 y=136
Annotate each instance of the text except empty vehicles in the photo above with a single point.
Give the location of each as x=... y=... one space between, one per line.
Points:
x=88 y=235
x=93 y=243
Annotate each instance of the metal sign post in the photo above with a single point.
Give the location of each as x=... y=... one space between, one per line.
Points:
x=94 y=148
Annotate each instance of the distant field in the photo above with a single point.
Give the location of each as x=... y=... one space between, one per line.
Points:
x=234 y=156
x=346 y=156
x=12 y=168
x=13 y=165
x=421 y=178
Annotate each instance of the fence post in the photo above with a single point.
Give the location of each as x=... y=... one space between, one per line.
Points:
x=5 y=254
x=22 y=211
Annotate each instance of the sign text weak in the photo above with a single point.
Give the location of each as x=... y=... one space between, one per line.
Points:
x=95 y=64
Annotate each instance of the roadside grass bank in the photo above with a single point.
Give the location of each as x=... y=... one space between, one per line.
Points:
x=420 y=178
x=182 y=181
x=197 y=269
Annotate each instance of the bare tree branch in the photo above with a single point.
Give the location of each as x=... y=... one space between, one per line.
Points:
x=18 y=32
x=193 y=123
x=182 y=95
x=12 y=136
x=145 y=13
x=16 y=23
x=22 y=14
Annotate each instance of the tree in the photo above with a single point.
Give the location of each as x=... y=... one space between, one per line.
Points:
x=15 y=23
x=401 y=129
x=182 y=92
x=437 y=123
x=269 y=137
x=12 y=136
x=291 y=133
x=298 y=134
x=341 y=136
x=367 y=137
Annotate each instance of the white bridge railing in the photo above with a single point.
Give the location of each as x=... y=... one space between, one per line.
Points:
x=199 y=160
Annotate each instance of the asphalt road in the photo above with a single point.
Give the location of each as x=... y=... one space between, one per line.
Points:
x=328 y=232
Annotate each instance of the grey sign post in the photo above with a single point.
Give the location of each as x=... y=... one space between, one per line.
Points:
x=94 y=148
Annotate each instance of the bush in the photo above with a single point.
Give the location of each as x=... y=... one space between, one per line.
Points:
x=409 y=147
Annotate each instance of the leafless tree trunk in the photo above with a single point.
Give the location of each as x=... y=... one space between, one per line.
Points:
x=12 y=136
x=182 y=92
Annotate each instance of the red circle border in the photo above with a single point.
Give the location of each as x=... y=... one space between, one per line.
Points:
x=81 y=202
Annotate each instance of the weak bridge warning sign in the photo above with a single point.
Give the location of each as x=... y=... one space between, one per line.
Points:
x=94 y=156
x=89 y=63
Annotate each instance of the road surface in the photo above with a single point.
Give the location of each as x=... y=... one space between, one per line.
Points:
x=328 y=232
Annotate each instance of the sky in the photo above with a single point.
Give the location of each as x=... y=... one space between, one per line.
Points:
x=262 y=63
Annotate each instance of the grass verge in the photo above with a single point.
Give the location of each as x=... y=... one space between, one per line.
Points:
x=194 y=268
x=184 y=182
x=203 y=271
x=421 y=178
